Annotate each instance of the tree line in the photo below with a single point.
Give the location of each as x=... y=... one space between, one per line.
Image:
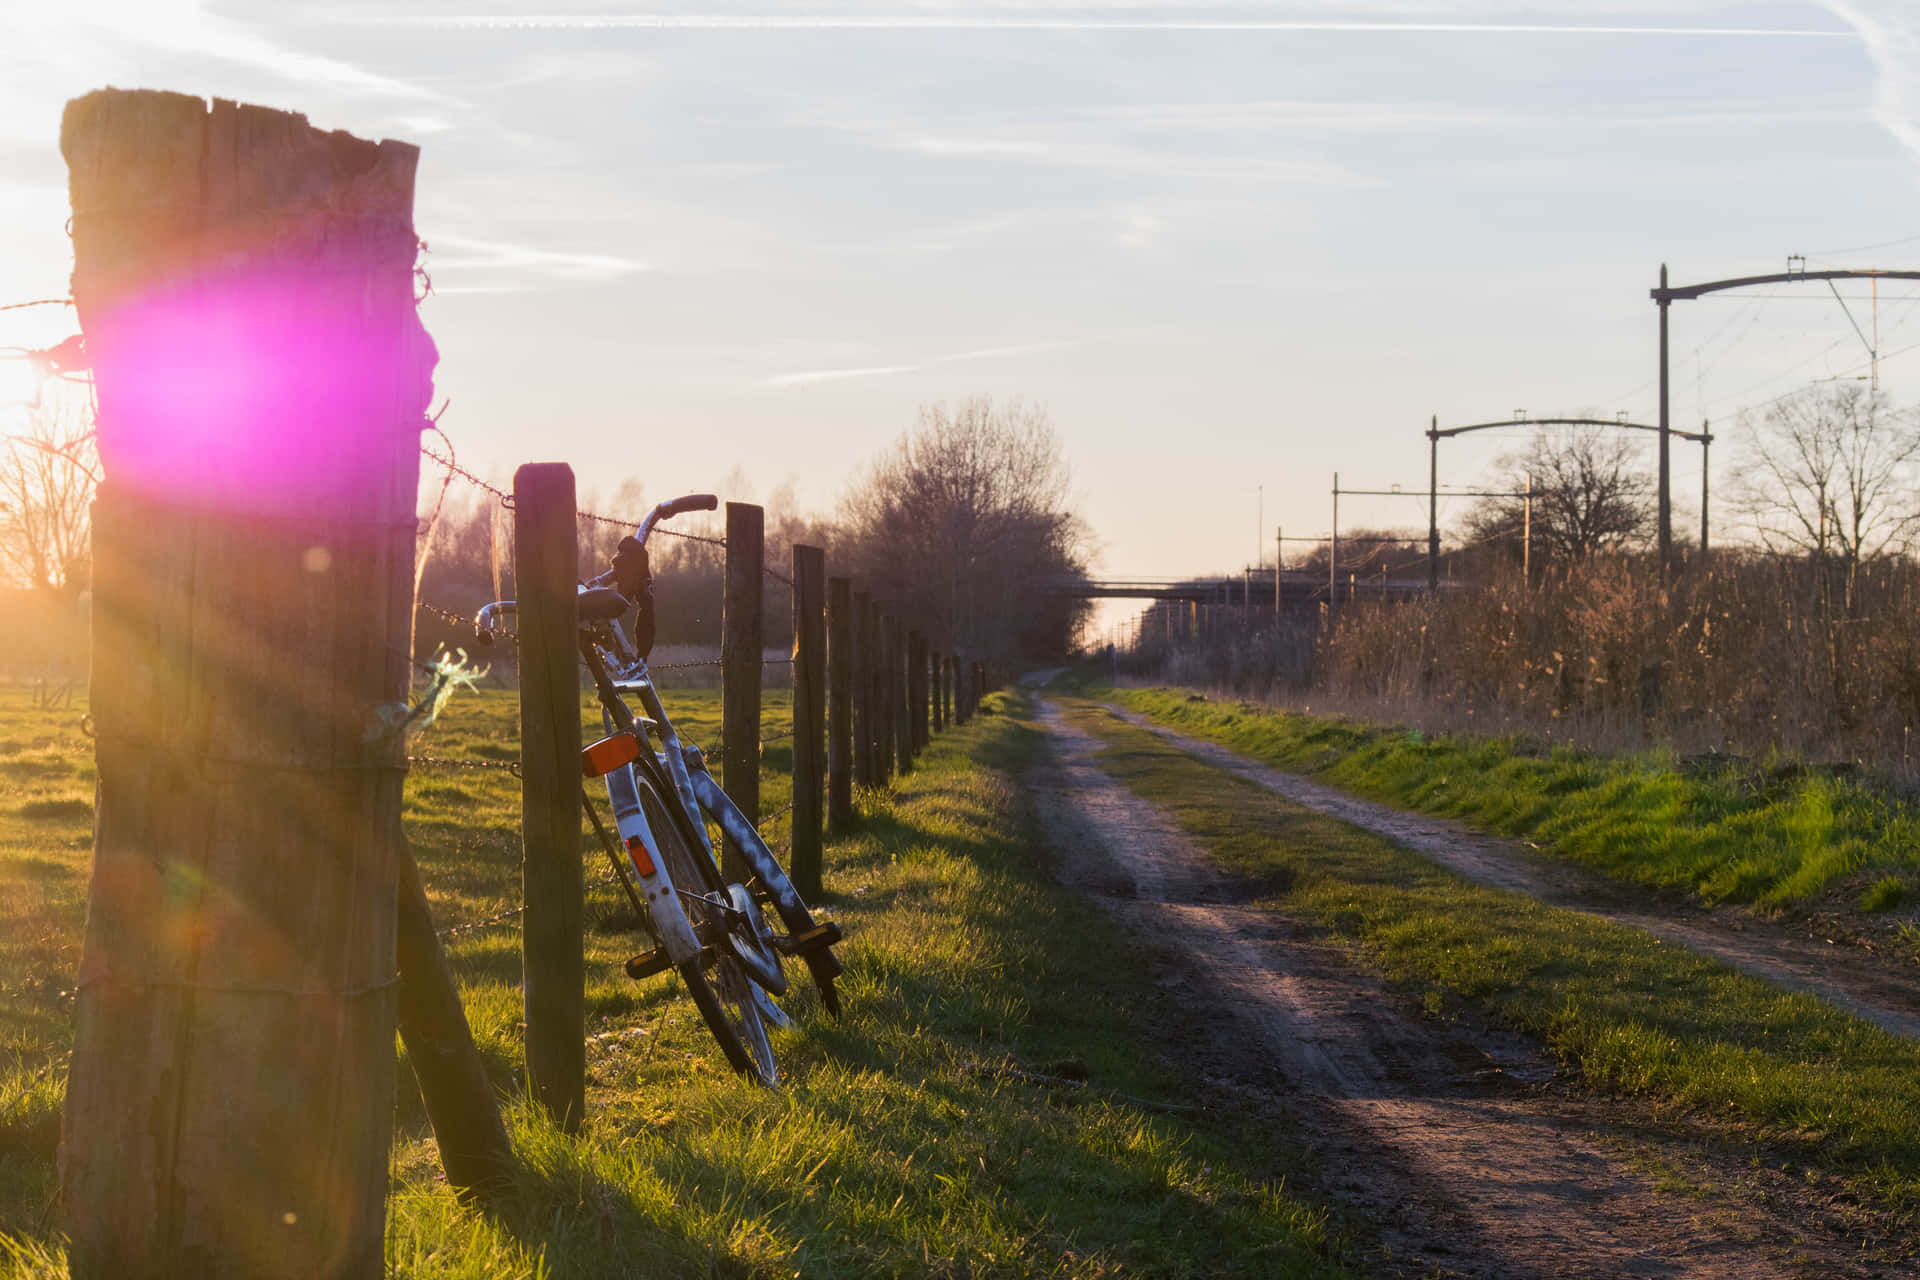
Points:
x=962 y=527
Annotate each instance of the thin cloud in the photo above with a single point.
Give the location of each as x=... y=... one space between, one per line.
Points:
x=1114 y=157
x=492 y=255
x=836 y=375
x=1380 y=117
x=1891 y=34
x=187 y=27
x=881 y=370
x=988 y=22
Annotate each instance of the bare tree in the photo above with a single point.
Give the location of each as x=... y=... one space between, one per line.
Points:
x=964 y=527
x=1830 y=473
x=48 y=473
x=1590 y=494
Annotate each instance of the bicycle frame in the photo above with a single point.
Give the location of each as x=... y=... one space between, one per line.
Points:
x=705 y=923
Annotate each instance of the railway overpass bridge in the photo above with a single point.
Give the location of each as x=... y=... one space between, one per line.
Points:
x=1297 y=589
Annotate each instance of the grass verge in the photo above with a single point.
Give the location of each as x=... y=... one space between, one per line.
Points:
x=1632 y=1015
x=1775 y=834
x=898 y=1145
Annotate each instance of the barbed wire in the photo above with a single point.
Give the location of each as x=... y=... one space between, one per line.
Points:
x=618 y=522
x=38 y=302
x=449 y=762
x=778 y=737
x=474 y=926
x=455 y=469
x=459 y=619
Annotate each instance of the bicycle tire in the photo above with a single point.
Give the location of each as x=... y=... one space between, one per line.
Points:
x=720 y=988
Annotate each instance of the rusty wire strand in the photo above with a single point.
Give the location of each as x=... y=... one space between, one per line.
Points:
x=449 y=762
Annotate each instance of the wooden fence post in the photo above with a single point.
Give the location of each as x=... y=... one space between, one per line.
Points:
x=741 y=655
x=897 y=699
x=959 y=692
x=809 y=715
x=865 y=642
x=886 y=658
x=917 y=691
x=840 y=669
x=474 y=1149
x=552 y=930
x=244 y=283
x=937 y=674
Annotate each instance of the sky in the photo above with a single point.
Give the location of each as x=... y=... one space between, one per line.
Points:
x=1230 y=248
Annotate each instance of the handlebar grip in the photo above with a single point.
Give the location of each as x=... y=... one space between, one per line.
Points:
x=691 y=502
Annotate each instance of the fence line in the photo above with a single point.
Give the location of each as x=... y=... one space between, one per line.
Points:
x=901 y=725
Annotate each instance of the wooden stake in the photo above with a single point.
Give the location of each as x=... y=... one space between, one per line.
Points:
x=741 y=655
x=809 y=715
x=244 y=284
x=552 y=931
x=840 y=668
x=936 y=672
x=917 y=690
x=898 y=664
x=460 y=1099
x=865 y=642
x=885 y=721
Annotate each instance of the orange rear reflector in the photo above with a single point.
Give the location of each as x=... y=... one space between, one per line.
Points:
x=609 y=754
x=642 y=860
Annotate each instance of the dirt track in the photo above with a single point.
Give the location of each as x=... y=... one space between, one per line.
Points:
x=1860 y=982
x=1440 y=1141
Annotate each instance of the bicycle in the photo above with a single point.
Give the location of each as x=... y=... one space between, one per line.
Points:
x=713 y=933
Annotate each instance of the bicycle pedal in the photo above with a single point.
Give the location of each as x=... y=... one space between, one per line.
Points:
x=648 y=963
x=818 y=938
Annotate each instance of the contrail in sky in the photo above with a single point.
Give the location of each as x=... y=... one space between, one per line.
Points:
x=912 y=22
x=1892 y=35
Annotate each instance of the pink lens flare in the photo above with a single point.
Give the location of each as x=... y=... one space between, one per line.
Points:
x=262 y=388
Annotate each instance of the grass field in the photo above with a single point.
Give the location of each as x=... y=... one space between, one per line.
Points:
x=1774 y=833
x=900 y=1144
x=1634 y=1017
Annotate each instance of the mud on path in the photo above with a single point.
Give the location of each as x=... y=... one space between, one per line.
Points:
x=1439 y=1142
x=1882 y=989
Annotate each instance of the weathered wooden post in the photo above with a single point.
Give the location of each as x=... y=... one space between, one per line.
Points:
x=245 y=285
x=936 y=672
x=917 y=691
x=899 y=701
x=886 y=658
x=809 y=714
x=741 y=656
x=840 y=668
x=552 y=929
x=959 y=692
x=460 y=1100
x=865 y=641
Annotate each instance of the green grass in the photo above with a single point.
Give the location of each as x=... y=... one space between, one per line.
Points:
x=1631 y=1015
x=1772 y=834
x=893 y=1148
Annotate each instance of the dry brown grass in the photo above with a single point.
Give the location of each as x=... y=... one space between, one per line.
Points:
x=1750 y=655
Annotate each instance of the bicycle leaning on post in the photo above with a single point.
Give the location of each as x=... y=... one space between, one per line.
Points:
x=714 y=934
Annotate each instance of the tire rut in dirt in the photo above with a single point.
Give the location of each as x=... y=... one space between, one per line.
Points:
x=1424 y=1132
x=1877 y=988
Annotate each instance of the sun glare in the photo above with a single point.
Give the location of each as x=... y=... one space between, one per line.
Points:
x=18 y=387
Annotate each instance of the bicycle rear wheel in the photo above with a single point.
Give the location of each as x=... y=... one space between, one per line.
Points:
x=719 y=986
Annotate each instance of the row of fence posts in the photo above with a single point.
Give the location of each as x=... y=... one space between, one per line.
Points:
x=868 y=694
x=218 y=1031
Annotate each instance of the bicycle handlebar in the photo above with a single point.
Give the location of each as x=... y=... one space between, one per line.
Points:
x=675 y=507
